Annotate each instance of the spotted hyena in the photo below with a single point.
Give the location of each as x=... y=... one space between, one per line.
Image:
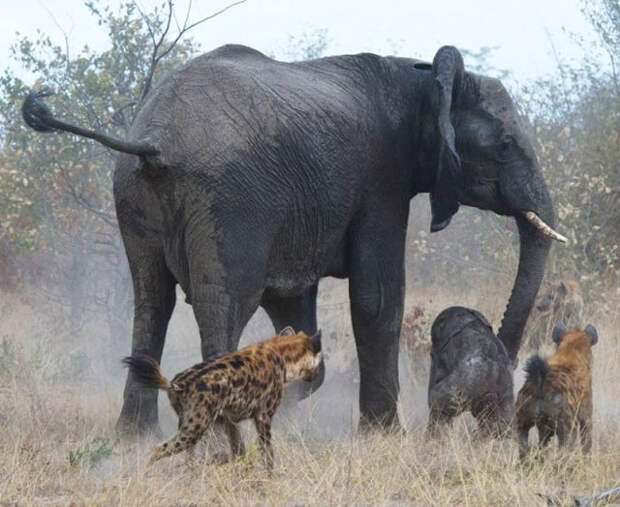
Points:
x=246 y=384
x=470 y=371
x=560 y=302
x=557 y=394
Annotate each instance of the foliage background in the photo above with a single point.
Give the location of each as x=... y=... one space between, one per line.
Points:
x=60 y=249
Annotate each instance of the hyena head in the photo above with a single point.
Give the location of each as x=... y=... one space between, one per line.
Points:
x=562 y=301
x=301 y=354
x=575 y=341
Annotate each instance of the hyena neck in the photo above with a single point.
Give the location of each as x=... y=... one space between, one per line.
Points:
x=293 y=371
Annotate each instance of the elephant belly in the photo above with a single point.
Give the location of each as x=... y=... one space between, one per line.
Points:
x=290 y=276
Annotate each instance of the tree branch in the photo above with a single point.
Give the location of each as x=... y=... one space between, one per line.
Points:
x=156 y=56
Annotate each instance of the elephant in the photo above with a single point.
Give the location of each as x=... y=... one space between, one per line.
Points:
x=246 y=180
x=470 y=371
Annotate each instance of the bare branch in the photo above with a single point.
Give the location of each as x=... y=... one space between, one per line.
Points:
x=106 y=217
x=211 y=16
x=154 y=56
x=64 y=34
x=147 y=22
x=157 y=56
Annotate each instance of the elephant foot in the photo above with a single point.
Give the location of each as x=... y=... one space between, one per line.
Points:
x=133 y=423
x=221 y=458
x=388 y=424
x=129 y=430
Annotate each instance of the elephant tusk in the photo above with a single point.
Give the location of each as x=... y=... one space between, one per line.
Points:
x=537 y=222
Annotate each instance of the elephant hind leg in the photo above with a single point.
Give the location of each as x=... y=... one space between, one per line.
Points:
x=299 y=312
x=154 y=300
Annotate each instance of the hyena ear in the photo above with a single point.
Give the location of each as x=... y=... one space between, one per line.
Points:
x=563 y=289
x=592 y=334
x=287 y=331
x=315 y=342
x=558 y=332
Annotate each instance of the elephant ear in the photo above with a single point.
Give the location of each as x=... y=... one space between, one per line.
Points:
x=448 y=75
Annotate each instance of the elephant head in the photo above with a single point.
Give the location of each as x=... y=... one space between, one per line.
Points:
x=484 y=159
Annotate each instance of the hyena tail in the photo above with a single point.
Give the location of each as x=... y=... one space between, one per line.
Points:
x=147 y=372
x=536 y=369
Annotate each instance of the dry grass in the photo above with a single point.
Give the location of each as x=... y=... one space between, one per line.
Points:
x=42 y=429
x=57 y=447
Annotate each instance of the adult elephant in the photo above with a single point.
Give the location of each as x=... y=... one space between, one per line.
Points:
x=245 y=180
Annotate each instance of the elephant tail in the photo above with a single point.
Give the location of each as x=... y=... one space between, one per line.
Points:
x=147 y=372
x=38 y=117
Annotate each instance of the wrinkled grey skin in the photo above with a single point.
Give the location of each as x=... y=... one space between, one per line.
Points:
x=256 y=178
x=470 y=371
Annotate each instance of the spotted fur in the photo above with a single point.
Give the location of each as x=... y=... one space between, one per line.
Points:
x=557 y=394
x=246 y=384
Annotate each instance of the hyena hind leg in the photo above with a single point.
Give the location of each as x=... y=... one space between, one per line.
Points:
x=545 y=433
x=585 y=433
x=237 y=448
x=183 y=440
x=263 y=428
x=523 y=431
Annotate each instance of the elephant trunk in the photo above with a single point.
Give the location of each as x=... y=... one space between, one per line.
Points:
x=533 y=252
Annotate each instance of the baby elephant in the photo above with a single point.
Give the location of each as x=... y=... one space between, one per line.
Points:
x=470 y=371
x=557 y=394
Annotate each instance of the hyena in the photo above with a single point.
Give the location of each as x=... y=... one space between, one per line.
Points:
x=470 y=371
x=246 y=384
x=557 y=394
x=561 y=302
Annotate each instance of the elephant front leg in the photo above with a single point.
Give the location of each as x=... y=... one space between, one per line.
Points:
x=376 y=290
x=443 y=404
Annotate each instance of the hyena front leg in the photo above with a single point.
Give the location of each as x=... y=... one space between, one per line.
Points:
x=262 y=421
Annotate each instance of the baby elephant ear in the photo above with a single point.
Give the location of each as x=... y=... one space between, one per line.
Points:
x=287 y=331
x=592 y=334
x=558 y=332
x=315 y=341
